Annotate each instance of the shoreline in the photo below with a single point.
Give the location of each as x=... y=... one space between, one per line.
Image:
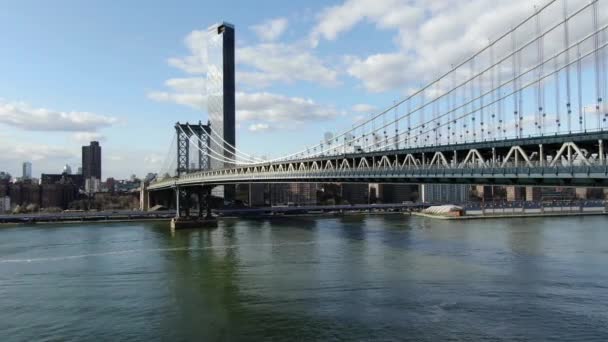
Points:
x=507 y=216
x=328 y=215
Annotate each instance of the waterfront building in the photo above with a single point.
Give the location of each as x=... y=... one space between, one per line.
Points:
x=355 y=193
x=50 y=178
x=110 y=185
x=5 y=204
x=92 y=185
x=558 y=194
x=516 y=193
x=294 y=193
x=91 y=160
x=398 y=193
x=57 y=195
x=533 y=194
x=24 y=192
x=26 y=170
x=445 y=193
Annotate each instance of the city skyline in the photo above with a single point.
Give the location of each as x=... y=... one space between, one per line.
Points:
x=333 y=82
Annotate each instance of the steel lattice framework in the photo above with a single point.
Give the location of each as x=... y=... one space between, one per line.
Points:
x=184 y=133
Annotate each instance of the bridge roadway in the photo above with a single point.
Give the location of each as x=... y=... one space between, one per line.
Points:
x=576 y=159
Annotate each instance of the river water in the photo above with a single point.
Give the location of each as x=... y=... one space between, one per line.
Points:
x=388 y=278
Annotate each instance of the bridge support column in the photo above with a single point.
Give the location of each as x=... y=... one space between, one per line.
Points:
x=541 y=155
x=601 y=151
x=144 y=198
x=177 y=208
x=493 y=156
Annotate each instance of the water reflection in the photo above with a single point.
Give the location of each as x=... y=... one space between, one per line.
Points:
x=362 y=277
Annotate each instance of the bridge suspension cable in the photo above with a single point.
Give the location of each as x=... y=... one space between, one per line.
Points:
x=429 y=85
x=218 y=156
x=530 y=84
x=512 y=80
x=518 y=104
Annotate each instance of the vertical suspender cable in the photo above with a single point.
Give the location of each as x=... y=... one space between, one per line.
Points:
x=515 y=93
x=557 y=95
x=596 y=55
x=579 y=75
x=567 y=56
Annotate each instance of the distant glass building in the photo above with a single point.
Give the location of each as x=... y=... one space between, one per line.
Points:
x=221 y=98
x=27 y=170
x=91 y=160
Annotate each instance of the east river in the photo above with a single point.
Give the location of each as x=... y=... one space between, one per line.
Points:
x=388 y=278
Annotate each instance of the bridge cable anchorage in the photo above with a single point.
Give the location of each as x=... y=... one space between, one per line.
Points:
x=511 y=81
x=517 y=104
x=507 y=95
x=523 y=22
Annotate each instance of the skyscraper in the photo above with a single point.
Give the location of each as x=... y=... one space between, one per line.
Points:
x=27 y=170
x=91 y=160
x=221 y=89
x=221 y=98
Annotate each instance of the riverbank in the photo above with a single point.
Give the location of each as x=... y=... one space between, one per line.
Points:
x=478 y=217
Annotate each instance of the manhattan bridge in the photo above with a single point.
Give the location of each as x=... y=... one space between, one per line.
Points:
x=529 y=108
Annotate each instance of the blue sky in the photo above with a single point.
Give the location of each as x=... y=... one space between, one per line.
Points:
x=72 y=71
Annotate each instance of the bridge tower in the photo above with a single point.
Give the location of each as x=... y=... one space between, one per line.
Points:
x=184 y=132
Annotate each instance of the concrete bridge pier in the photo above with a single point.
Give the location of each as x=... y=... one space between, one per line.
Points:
x=184 y=203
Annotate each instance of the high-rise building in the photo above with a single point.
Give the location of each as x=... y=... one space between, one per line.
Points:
x=91 y=160
x=221 y=98
x=27 y=170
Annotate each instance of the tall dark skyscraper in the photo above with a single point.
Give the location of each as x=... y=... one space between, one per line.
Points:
x=221 y=89
x=91 y=160
x=221 y=98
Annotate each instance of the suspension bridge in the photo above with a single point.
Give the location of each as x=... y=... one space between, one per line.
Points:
x=529 y=108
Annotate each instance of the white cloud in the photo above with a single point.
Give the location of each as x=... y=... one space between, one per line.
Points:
x=269 y=107
x=23 y=116
x=86 y=137
x=429 y=36
x=260 y=65
x=196 y=62
x=382 y=72
x=271 y=30
x=259 y=127
x=286 y=63
x=153 y=159
x=259 y=107
x=363 y=108
x=336 y=20
x=194 y=100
